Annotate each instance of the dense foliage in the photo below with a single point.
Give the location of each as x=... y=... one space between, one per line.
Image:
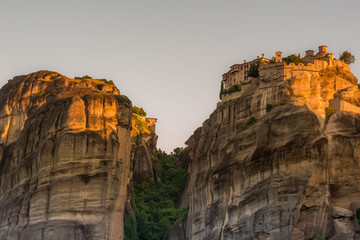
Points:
x=329 y=111
x=139 y=111
x=347 y=57
x=269 y=107
x=358 y=220
x=293 y=58
x=87 y=77
x=254 y=69
x=234 y=88
x=154 y=202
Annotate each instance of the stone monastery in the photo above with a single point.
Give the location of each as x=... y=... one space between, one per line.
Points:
x=239 y=72
x=277 y=69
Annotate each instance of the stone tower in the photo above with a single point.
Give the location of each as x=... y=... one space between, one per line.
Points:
x=278 y=56
x=323 y=49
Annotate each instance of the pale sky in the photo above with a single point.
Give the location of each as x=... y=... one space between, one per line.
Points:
x=168 y=56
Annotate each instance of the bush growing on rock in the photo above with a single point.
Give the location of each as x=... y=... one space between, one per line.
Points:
x=329 y=111
x=269 y=107
x=234 y=88
x=139 y=111
x=40 y=94
x=250 y=122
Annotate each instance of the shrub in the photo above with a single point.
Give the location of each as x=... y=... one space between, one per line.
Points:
x=269 y=107
x=85 y=77
x=251 y=121
x=234 y=88
x=329 y=111
x=139 y=111
x=110 y=82
x=254 y=70
x=40 y=94
x=359 y=85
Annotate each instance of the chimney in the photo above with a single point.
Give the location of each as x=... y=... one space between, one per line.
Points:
x=262 y=56
x=257 y=57
x=244 y=61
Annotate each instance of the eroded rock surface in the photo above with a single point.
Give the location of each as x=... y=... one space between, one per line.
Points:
x=292 y=174
x=64 y=158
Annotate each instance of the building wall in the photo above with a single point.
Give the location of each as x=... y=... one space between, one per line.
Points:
x=341 y=105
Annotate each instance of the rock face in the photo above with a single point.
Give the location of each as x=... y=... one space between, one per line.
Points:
x=64 y=158
x=289 y=173
x=144 y=140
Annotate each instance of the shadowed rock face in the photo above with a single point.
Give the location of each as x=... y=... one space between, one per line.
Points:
x=291 y=175
x=64 y=158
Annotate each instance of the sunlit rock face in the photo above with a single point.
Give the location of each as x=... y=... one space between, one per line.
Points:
x=293 y=174
x=64 y=158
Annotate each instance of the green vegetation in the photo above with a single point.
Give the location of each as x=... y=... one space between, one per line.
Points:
x=347 y=57
x=221 y=89
x=40 y=94
x=154 y=202
x=329 y=111
x=83 y=77
x=254 y=68
x=269 y=107
x=139 y=123
x=251 y=121
x=234 y=88
x=98 y=81
x=273 y=60
x=359 y=85
x=358 y=220
x=139 y=111
x=293 y=58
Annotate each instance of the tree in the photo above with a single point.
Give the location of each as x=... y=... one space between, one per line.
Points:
x=293 y=58
x=254 y=70
x=347 y=57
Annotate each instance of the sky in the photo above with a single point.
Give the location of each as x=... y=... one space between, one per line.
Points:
x=168 y=56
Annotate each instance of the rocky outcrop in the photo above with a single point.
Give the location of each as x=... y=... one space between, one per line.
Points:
x=64 y=158
x=269 y=164
x=144 y=140
x=144 y=162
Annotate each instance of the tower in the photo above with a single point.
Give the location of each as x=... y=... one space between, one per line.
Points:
x=323 y=49
x=278 y=56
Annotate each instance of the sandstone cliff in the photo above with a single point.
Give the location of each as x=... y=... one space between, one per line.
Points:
x=288 y=172
x=65 y=149
x=144 y=140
